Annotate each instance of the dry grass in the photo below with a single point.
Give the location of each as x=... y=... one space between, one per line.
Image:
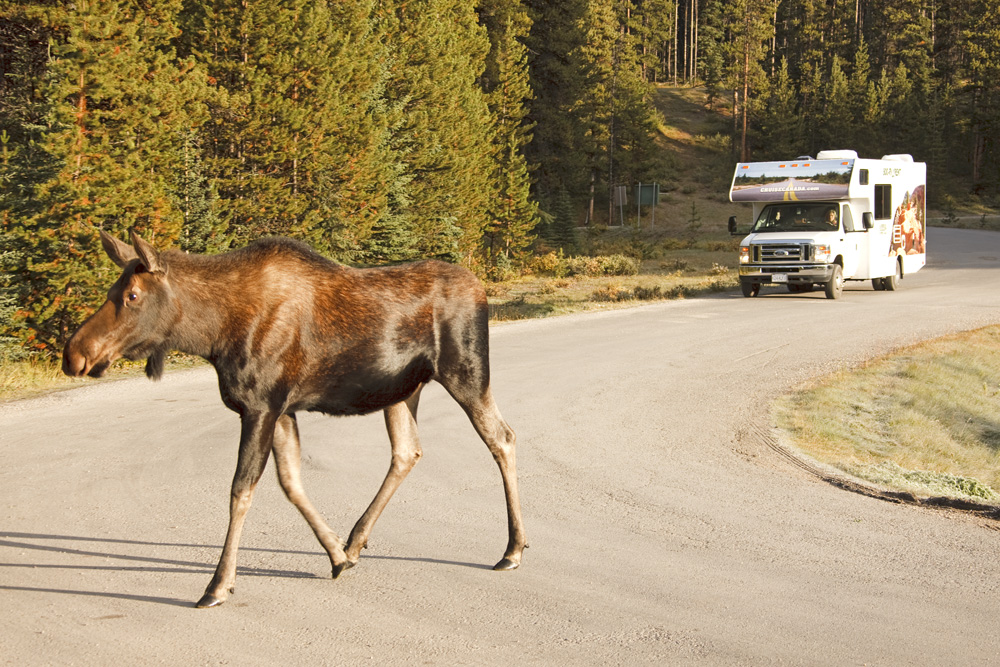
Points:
x=924 y=420
x=27 y=378
x=37 y=376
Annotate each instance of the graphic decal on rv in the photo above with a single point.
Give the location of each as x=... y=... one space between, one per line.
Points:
x=908 y=225
x=796 y=180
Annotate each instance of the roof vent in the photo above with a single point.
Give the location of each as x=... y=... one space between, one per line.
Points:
x=899 y=157
x=837 y=155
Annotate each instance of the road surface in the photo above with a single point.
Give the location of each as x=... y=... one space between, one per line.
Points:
x=663 y=528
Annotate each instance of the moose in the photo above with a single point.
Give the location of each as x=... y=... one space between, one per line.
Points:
x=287 y=330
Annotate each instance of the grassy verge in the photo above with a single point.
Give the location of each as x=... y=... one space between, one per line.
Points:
x=28 y=378
x=621 y=266
x=925 y=420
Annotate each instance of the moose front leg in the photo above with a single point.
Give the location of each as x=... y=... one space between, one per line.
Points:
x=256 y=437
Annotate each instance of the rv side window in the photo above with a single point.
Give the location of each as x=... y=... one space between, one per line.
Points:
x=863 y=177
x=883 y=202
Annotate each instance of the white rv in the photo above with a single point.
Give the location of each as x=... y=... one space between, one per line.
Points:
x=833 y=218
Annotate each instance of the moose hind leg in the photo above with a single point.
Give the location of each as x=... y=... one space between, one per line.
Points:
x=256 y=435
x=288 y=461
x=500 y=438
x=401 y=422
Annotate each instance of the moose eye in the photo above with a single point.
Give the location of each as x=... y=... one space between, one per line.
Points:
x=132 y=296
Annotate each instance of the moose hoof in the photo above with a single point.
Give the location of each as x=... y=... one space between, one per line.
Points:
x=208 y=600
x=506 y=564
x=346 y=565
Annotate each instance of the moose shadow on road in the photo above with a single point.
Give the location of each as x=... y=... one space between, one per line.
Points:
x=143 y=563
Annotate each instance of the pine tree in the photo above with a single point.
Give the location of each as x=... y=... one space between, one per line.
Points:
x=119 y=103
x=983 y=93
x=864 y=102
x=781 y=126
x=295 y=144
x=202 y=229
x=512 y=215
x=440 y=142
x=837 y=121
x=558 y=86
x=741 y=36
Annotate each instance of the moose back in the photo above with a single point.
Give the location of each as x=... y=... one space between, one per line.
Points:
x=289 y=330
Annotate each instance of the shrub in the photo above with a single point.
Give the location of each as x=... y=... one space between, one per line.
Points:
x=722 y=246
x=612 y=293
x=719 y=270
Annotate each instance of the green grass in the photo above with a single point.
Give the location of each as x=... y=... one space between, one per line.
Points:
x=925 y=420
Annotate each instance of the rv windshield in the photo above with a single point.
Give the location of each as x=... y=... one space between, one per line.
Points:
x=798 y=217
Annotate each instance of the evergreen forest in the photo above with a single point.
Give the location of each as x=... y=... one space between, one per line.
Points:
x=383 y=131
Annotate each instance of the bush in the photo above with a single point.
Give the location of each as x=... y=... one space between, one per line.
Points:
x=719 y=270
x=602 y=265
x=616 y=294
x=612 y=293
x=722 y=246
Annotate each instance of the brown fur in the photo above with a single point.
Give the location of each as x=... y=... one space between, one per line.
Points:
x=288 y=330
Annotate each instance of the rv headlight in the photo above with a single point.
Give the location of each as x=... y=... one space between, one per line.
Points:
x=821 y=253
x=744 y=254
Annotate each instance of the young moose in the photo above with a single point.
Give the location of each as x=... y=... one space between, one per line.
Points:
x=288 y=330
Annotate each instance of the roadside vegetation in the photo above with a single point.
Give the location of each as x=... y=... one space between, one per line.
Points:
x=922 y=420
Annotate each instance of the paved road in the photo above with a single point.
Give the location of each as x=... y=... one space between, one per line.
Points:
x=663 y=529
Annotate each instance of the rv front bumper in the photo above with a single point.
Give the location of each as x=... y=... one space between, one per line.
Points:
x=794 y=274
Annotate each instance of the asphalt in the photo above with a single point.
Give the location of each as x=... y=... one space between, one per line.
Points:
x=665 y=527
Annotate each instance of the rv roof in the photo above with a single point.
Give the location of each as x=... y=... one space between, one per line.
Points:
x=899 y=157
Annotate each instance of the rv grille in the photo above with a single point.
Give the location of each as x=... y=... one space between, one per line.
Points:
x=780 y=252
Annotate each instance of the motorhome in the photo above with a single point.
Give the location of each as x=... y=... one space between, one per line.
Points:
x=825 y=220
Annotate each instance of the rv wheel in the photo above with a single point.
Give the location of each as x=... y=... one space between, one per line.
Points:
x=892 y=282
x=835 y=287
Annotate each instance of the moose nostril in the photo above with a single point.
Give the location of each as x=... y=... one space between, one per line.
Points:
x=73 y=364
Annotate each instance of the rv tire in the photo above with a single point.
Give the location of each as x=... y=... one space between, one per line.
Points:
x=835 y=286
x=892 y=282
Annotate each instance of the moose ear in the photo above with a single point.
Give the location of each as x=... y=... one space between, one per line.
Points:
x=119 y=252
x=148 y=255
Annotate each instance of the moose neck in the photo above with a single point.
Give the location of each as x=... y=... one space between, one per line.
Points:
x=205 y=295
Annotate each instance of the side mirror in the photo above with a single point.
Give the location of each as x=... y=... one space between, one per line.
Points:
x=732 y=225
x=868 y=220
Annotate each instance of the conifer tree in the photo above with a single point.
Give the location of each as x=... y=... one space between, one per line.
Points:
x=119 y=103
x=558 y=85
x=294 y=144
x=441 y=142
x=781 y=131
x=864 y=102
x=983 y=92
x=202 y=228
x=512 y=215
x=837 y=121
x=743 y=28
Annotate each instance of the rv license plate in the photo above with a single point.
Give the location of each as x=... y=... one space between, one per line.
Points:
x=779 y=278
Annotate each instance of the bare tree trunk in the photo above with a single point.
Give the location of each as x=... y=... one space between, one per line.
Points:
x=694 y=41
x=774 y=37
x=744 y=151
x=677 y=42
x=736 y=108
x=690 y=42
x=590 y=206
